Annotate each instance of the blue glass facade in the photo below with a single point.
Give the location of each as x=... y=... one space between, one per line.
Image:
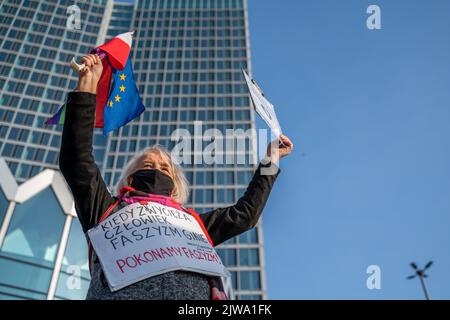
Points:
x=35 y=50
x=75 y=262
x=187 y=56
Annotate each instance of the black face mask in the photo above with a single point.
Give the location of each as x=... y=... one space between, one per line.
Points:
x=152 y=181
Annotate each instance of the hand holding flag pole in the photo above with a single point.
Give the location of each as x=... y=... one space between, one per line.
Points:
x=88 y=79
x=80 y=68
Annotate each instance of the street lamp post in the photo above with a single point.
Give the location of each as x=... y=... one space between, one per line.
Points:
x=421 y=274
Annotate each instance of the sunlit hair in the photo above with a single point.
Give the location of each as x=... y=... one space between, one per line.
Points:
x=181 y=191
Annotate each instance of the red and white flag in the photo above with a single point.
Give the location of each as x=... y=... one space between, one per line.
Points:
x=118 y=50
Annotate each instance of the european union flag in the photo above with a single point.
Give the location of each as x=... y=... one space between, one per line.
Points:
x=124 y=103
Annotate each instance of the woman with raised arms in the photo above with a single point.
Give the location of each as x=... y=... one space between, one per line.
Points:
x=150 y=175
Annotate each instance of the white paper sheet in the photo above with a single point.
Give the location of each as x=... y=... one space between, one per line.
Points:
x=263 y=106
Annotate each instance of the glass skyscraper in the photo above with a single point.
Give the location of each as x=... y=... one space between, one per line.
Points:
x=187 y=57
x=35 y=48
x=41 y=243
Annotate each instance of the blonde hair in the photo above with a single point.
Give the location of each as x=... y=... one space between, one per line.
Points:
x=181 y=190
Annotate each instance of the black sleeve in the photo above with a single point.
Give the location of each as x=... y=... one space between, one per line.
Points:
x=76 y=161
x=225 y=223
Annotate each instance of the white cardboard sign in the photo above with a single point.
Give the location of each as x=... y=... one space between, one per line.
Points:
x=263 y=106
x=141 y=241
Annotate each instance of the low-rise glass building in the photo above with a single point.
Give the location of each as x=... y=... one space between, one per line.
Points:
x=43 y=254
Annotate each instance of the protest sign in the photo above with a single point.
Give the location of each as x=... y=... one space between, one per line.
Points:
x=263 y=106
x=144 y=240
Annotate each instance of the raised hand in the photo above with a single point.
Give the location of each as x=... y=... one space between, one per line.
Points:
x=277 y=150
x=88 y=79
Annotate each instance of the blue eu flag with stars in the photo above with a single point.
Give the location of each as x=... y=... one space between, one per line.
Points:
x=124 y=103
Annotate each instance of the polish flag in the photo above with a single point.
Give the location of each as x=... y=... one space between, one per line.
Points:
x=116 y=52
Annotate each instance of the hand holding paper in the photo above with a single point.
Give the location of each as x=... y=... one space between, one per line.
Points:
x=277 y=150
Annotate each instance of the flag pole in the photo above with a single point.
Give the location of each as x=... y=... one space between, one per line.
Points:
x=421 y=274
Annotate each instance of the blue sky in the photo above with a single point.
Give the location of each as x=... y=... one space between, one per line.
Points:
x=368 y=111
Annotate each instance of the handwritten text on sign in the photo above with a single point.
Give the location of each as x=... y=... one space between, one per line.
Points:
x=141 y=241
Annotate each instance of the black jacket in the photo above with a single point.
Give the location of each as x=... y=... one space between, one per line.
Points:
x=92 y=197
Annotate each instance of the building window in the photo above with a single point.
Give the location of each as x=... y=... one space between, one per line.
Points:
x=29 y=249
x=234 y=281
x=73 y=281
x=249 y=236
x=244 y=177
x=3 y=206
x=228 y=256
x=248 y=257
x=249 y=280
